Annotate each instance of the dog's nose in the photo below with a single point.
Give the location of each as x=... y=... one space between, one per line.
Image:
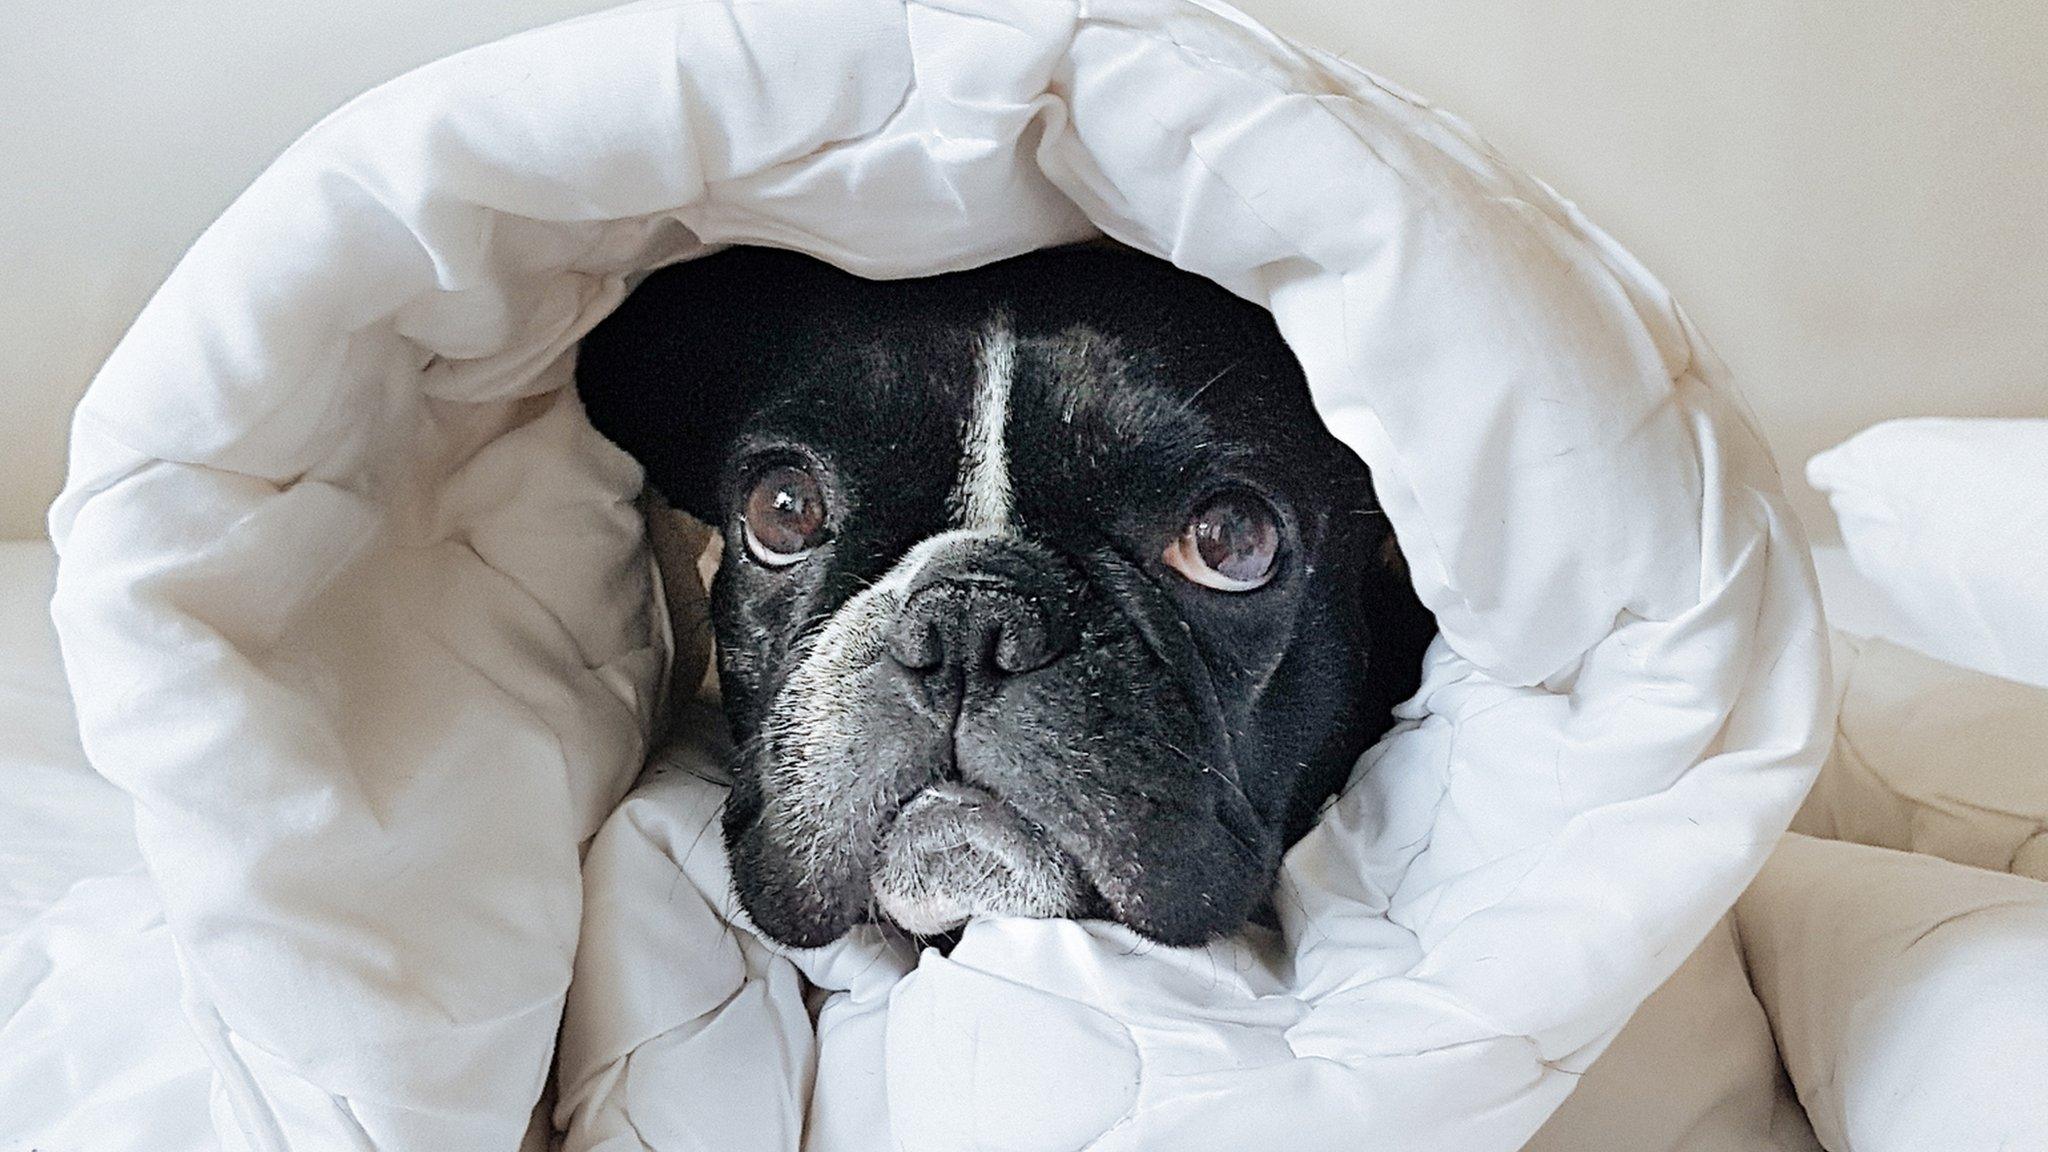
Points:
x=987 y=612
x=976 y=629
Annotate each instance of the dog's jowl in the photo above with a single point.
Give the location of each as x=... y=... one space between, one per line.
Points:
x=1045 y=592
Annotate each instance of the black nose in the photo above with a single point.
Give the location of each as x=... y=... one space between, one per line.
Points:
x=985 y=611
x=974 y=628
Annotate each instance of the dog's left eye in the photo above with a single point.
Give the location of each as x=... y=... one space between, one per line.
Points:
x=785 y=516
x=1230 y=543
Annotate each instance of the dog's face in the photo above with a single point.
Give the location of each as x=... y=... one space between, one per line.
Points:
x=1044 y=591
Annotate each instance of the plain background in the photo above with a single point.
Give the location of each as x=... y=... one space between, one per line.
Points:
x=1850 y=199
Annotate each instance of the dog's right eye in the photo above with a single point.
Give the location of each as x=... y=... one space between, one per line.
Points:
x=784 y=520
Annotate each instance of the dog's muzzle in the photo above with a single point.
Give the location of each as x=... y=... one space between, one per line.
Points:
x=956 y=852
x=971 y=622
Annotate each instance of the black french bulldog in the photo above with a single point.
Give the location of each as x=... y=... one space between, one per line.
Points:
x=1045 y=592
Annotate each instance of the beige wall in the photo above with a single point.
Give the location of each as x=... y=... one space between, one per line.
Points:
x=125 y=127
x=1849 y=198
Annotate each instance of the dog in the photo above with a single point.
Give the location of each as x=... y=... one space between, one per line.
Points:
x=1044 y=591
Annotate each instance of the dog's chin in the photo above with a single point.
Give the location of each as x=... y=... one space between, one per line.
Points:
x=956 y=853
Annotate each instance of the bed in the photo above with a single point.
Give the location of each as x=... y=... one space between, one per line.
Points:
x=359 y=611
x=96 y=1053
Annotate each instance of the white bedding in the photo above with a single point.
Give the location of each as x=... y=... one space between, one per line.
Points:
x=358 y=610
x=1944 y=523
x=95 y=1054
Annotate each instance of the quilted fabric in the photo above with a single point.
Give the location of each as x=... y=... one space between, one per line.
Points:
x=358 y=609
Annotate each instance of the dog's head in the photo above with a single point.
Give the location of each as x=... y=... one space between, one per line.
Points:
x=1044 y=591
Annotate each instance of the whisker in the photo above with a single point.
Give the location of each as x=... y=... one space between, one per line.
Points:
x=1227 y=370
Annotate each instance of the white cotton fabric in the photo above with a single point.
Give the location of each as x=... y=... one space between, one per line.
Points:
x=94 y=1053
x=358 y=610
x=1695 y=1070
x=1935 y=759
x=1947 y=521
x=1908 y=994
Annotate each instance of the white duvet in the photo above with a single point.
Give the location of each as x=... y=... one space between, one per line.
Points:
x=358 y=609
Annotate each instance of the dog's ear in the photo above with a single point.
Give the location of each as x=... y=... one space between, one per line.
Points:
x=1401 y=626
x=1391 y=559
x=674 y=372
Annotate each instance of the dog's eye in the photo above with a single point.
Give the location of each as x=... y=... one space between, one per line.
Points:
x=785 y=516
x=1229 y=544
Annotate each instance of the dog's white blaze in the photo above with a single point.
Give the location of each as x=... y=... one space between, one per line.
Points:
x=982 y=493
x=814 y=727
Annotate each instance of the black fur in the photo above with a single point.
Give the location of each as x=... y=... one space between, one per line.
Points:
x=1175 y=739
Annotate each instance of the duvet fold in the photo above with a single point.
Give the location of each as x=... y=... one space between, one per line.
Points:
x=359 y=611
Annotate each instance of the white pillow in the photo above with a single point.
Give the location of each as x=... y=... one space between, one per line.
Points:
x=1695 y=1070
x=1906 y=994
x=1949 y=520
x=1935 y=759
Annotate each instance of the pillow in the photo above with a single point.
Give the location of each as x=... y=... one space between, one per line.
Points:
x=1695 y=1070
x=1949 y=519
x=1906 y=995
x=1935 y=759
